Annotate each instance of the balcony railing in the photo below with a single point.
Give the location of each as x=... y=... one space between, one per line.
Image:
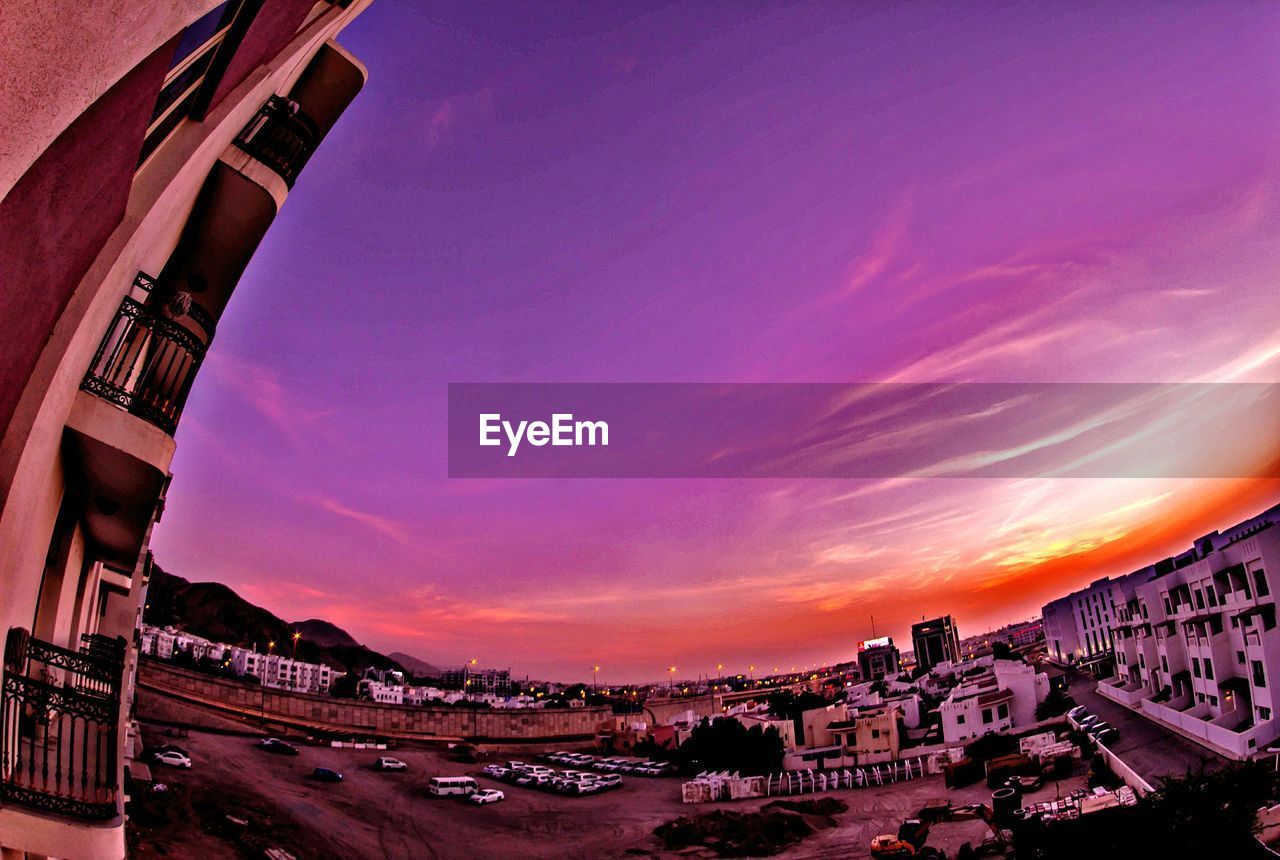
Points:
x=59 y=717
x=280 y=137
x=147 y=361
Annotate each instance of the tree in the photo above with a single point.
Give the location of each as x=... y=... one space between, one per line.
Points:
x=726 y=744
x=1055 y=704
x=345 y=686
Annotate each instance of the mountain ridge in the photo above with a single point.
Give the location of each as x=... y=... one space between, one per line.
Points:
x=216 y=612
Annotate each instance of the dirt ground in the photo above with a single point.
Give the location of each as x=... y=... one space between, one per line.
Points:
x=373 y=814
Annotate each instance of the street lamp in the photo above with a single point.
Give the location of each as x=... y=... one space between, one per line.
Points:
x=296 y=637
x=671 y=682
x=594 y=687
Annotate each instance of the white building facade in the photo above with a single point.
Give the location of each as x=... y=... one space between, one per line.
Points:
x=1197 y=646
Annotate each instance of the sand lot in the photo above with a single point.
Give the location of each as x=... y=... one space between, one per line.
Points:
x=373 y=814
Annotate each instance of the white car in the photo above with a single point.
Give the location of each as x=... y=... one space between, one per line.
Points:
x=496 y=771
x=174 y=759
x=386 y=762
x=486 y=795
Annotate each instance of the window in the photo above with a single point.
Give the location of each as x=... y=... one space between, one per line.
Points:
x=1164 y=662
x=1208 y=668
x=196 y=62
x=1260 y=581
x=986 y=715
x=1003 y=711
x=1199 y=599
x=1142 y=661
x=1199 y=697
x=1211 y=596
x=1213 y=700
x=1240 y=657
x=960 y=719
x=1259 y=675
x=1264 y=713
x=1168 y=607
x=1195 y=666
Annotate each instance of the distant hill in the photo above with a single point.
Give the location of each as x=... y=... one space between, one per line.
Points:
x=325 y=633
x=421 y=668
x=214 y=611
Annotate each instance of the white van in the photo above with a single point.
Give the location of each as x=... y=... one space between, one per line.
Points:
x=445 y=785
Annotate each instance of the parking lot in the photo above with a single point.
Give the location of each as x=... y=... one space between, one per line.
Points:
x=376 y=814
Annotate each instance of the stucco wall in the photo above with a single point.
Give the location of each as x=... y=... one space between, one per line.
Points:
x=56 y=219
x=389 y=720
x=61 y=56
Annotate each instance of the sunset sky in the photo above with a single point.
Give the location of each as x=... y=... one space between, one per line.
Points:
x=728 y=192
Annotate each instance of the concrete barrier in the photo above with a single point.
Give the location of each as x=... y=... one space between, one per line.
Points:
x=322 y=714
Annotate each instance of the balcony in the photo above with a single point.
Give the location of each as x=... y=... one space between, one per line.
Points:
x=281 y=137
x=59 y=716
x=147 y=360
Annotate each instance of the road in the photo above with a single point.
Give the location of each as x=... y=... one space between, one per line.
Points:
x=1146 y=746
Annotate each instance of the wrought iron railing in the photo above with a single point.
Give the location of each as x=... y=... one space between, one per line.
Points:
x=281 y=137
x=59 y=726
x=147 y=361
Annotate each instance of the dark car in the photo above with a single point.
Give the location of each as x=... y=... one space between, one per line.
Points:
x=1107 y=736
x=325 y=774
x=277 y=746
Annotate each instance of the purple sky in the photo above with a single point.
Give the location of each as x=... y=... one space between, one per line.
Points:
x=744 y=193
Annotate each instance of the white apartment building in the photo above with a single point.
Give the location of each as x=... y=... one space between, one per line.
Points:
x=1077 y=628
x=997 y=700
x=275 y=670
x=1196 y=641
x=165 y=642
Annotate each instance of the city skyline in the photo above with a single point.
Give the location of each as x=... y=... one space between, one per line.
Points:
x=951 y=195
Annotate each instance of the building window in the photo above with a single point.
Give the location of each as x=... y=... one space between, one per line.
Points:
x=1264 y=713
x=1240 y=657
x=1002 y=712
x=1199 y=599
x=1208 y=668
x=1164 y=662
x=1213 y=700
x=986 y=715
x=195 y=62
x=1259 y=676
x=1199 y=697
x=1260 y=580
x=960 y=719
x=1195 y=666
x=1211 y=596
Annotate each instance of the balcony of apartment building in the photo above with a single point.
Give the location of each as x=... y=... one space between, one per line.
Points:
x=1234 y=589
x=60 y=745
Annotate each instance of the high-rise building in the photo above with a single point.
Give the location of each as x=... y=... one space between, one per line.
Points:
x=877 y=658
x=146 y=150
x=935 y=642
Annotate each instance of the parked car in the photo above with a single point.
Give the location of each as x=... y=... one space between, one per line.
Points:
x=1087 y=721
x=277 y=746
x=1077 y=712
x=386 y=762
x=173 y=758
x=495 y=770
x=609 y=780
x=1099 y=727
x=326 y=774
x=486 y=795
x=1107 y=736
